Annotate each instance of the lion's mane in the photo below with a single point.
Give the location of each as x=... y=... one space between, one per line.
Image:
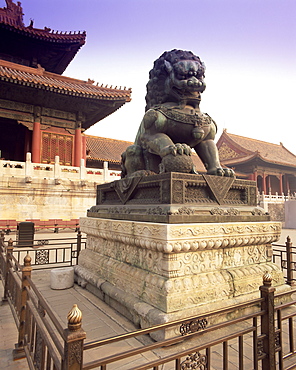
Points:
x=157 y=76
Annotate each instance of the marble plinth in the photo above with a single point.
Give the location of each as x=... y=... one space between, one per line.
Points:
x=153 y=273
x=62 y=278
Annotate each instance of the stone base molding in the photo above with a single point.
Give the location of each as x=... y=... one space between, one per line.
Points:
x=153 y=273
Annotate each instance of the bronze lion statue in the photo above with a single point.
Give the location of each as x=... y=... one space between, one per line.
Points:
x=173 y=122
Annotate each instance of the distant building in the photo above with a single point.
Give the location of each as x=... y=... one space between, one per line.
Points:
x=271 y=165
x=101 y=149
x=41 y=111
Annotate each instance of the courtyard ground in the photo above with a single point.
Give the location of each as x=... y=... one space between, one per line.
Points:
x=99 y=320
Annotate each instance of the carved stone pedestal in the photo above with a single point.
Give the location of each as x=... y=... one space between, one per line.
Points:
x=175 y=245
x=158 y=272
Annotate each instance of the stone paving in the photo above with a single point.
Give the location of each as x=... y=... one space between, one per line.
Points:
x=8 y=337
x=100 y=321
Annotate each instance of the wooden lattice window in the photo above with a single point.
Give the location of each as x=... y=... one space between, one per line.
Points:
x=61 y=149
x=68 y=149
x=54 y=150
x=45 y=147
x=56 y=144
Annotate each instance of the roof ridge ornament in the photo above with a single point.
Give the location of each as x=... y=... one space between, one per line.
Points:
x=40 y=69
x=12 y=14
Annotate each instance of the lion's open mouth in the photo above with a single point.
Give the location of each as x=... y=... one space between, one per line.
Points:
x=185 y=93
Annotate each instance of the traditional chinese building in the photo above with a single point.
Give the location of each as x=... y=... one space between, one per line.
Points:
x=101 y=149
x=271 y=165
x=41 y=111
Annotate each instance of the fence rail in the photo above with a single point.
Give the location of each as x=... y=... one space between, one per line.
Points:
x=29 y=170
x=276 y=198
x=55 y=225
x=48 y=253
x=285 y=256
x=254 y=335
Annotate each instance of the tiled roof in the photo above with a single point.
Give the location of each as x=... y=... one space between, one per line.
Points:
x=110 y=150
x=47 y=34
x=12 y=17
x=41 y=79
x=274 y=153
x=199 y=167
x=104 y=149
x=12 y=14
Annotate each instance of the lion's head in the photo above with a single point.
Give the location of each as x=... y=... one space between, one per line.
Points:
x=176 y=75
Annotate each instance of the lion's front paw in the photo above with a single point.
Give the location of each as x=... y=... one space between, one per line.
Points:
x=227 y=172
x=216 y=172
x=175 y=149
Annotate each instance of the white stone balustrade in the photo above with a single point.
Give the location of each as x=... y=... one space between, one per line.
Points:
x=56 y=171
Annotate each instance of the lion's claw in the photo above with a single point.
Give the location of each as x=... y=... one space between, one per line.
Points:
x=175 y=149
x=227 y=172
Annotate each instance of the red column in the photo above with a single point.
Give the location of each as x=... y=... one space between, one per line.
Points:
x=77 y=147
x=255 y=174
x=36 y=143
x=264 y=183
x=269 y=184
x=84 y=148
x=281 y=184
x=287 y=184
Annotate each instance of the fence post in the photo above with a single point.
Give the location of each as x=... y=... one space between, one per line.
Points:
x=2 y=237
x=9 y=251
x=73 y=342
x=28 y=168
x=3 y=261
x=289 y=261
x=78 y=245
x=82 y=169
x=57 y=170
x=26 y=273
x=267 y=323
x=105 y=172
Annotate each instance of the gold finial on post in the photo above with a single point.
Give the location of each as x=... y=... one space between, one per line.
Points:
x=268 y=322
x=73 y=342
x=74 y=318
x=27 y=260
x=267 y=279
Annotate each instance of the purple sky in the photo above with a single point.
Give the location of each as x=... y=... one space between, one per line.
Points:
x=248 y=46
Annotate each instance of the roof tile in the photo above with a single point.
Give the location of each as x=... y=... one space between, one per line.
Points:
x=269 y=152
x=12 y=17
x=104 y=149
x=40 y=78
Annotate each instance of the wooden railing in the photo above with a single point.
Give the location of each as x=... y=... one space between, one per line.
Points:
x=53 y=224
x=50 y=253
x=262 y=334
x=41 y=337
x=285 y=256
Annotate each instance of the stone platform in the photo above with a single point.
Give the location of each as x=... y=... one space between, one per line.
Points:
x=171 y=246
x=153 y=273
x=178 y=198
